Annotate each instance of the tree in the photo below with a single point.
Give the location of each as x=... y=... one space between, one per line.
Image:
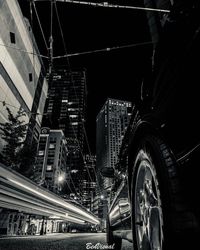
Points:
x=13 y=133
x=27 y=157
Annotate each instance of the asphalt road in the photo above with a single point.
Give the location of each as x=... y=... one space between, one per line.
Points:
x=75 y=241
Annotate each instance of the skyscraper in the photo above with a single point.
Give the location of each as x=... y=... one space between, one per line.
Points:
x=111 y=124
x=88 y=184
x=65 y=110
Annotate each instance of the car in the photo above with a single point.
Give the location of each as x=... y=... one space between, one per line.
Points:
x=154 y=196
x=74 y=230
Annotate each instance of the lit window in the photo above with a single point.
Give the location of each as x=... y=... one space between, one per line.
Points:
x=73 y=116
x=40 y=153
x=74 y=171
x=74 y=123
x=64 y=100
x=51 y=145
x=49 y=167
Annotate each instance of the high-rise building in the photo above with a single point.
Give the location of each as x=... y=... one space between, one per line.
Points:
x=65 y=110
x=22 y=81
x=50 y=170
x=111 y=124
x=88 y=185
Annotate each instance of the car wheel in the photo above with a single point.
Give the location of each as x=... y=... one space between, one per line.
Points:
x=155 y=192
x=113 y=240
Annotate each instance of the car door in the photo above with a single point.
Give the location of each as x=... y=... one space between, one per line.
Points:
x=120 y=207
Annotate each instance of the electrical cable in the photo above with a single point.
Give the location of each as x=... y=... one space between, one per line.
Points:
x=41 y=29
x=25 y=51
x=107 y=5
x=62 y=35
x=105 y=49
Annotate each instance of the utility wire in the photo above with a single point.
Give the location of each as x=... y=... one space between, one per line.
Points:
x=32 y=41
x=108 y=49
x=24 y=51
x=104 y=50
x=107 y=5
x=51 y=41
x=41 y=29
x=62 y=35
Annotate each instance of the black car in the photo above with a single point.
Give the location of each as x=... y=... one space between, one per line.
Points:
x=154 y=198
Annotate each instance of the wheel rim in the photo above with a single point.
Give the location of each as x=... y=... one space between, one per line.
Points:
x=148 y=211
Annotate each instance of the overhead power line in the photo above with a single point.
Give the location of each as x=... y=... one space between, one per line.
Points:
x=108 y=5
x=24 y=51
x=62 y=35
x=40 y=25
x=108 y=49
x=103 y=50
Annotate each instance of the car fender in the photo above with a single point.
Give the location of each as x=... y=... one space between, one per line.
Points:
x=143 y=126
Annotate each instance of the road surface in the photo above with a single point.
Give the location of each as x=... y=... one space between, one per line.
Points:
x=67 y=241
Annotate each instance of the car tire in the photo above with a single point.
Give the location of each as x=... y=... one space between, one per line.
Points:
x=158 y=210
x=112 y=240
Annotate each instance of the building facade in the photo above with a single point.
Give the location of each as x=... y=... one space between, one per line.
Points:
x=65 y=110
x=50 y=170
x=88 y=185
x=22 y=81
x=111 y=124
x=22 y=86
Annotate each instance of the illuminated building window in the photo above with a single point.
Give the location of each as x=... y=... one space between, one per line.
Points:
x=51 y=145
x=12 y=37
x=49 y=167
x=73 y=109
x=73 y=116
x=40 y=153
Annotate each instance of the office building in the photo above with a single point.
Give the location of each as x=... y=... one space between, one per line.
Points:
x=65 y=110
x=51 y=168
x=88 y=185
x=111 y=124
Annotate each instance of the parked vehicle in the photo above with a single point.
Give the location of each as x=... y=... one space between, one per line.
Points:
x=154 y=197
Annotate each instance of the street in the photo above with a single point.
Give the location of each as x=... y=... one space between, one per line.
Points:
x=67 y=241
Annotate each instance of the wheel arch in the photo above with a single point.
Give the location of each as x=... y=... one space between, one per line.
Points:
x=181 y=217
x=142 y=128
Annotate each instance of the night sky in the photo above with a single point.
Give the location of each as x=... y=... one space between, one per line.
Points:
x=116 y=73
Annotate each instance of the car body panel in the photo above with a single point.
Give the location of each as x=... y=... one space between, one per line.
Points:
x=169 y=110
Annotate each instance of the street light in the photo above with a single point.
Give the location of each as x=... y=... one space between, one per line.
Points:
x=102 y=197
x=61 y=177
